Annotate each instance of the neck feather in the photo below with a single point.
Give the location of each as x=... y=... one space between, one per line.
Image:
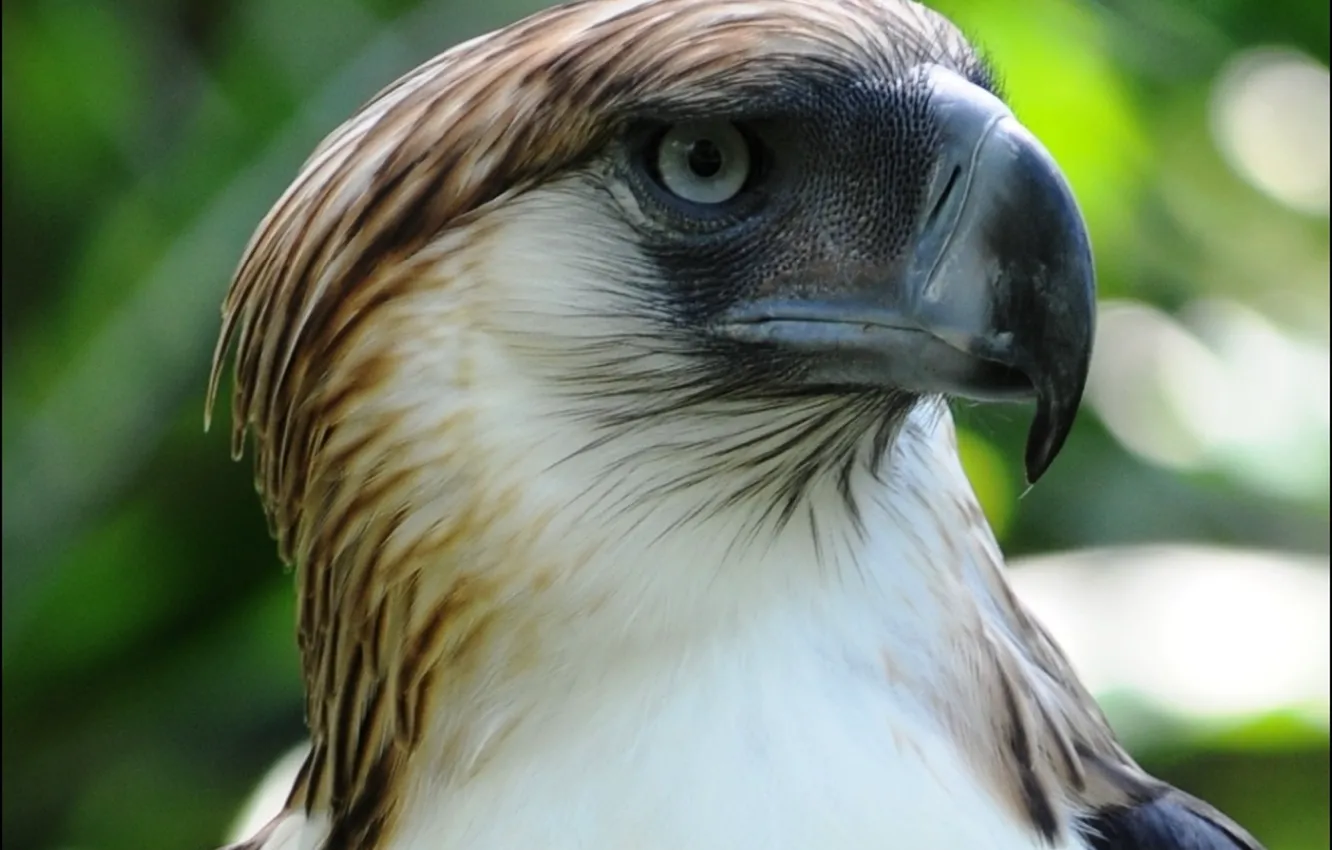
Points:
x=436 y=609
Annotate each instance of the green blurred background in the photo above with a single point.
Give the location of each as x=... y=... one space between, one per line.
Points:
x=150 y=673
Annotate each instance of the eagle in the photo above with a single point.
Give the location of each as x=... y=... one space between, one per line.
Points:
x=597 y=375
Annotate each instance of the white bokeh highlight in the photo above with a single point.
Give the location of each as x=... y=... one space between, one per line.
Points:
x=1221 y=388
x=1269 y=115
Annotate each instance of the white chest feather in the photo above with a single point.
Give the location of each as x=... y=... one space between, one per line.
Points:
x=778 y=746
x=795 y=700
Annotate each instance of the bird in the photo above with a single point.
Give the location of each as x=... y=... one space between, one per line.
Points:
x=597 y=374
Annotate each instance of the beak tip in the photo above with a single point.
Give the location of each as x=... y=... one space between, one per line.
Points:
x=1049 y=430
x=1037 y=463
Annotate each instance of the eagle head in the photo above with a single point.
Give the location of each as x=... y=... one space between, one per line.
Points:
x=732 y=244
x=632 y=310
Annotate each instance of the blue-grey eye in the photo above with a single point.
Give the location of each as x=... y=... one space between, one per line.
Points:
x=704 y=162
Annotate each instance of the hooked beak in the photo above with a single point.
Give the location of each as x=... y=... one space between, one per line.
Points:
x=996 y=300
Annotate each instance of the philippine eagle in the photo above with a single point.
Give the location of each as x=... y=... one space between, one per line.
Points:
x=596 y=372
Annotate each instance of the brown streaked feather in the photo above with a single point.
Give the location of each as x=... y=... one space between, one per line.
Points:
x=1076 y=761
x=1021 y=714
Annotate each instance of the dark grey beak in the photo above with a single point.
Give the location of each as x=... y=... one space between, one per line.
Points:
x=996 y=300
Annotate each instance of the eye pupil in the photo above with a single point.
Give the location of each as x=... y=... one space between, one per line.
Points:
x=705 y=158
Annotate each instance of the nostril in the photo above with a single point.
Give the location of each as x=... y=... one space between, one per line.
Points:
x=941 y=201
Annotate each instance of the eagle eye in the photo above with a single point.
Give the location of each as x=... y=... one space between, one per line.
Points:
x=703 y=162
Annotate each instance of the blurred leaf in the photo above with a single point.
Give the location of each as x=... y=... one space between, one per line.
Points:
x=72 y=91
x=988 y=473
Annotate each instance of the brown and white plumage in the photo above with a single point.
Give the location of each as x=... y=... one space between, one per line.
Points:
x=582 y=565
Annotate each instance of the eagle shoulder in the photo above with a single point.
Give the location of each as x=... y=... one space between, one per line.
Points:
x=1174 y=820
